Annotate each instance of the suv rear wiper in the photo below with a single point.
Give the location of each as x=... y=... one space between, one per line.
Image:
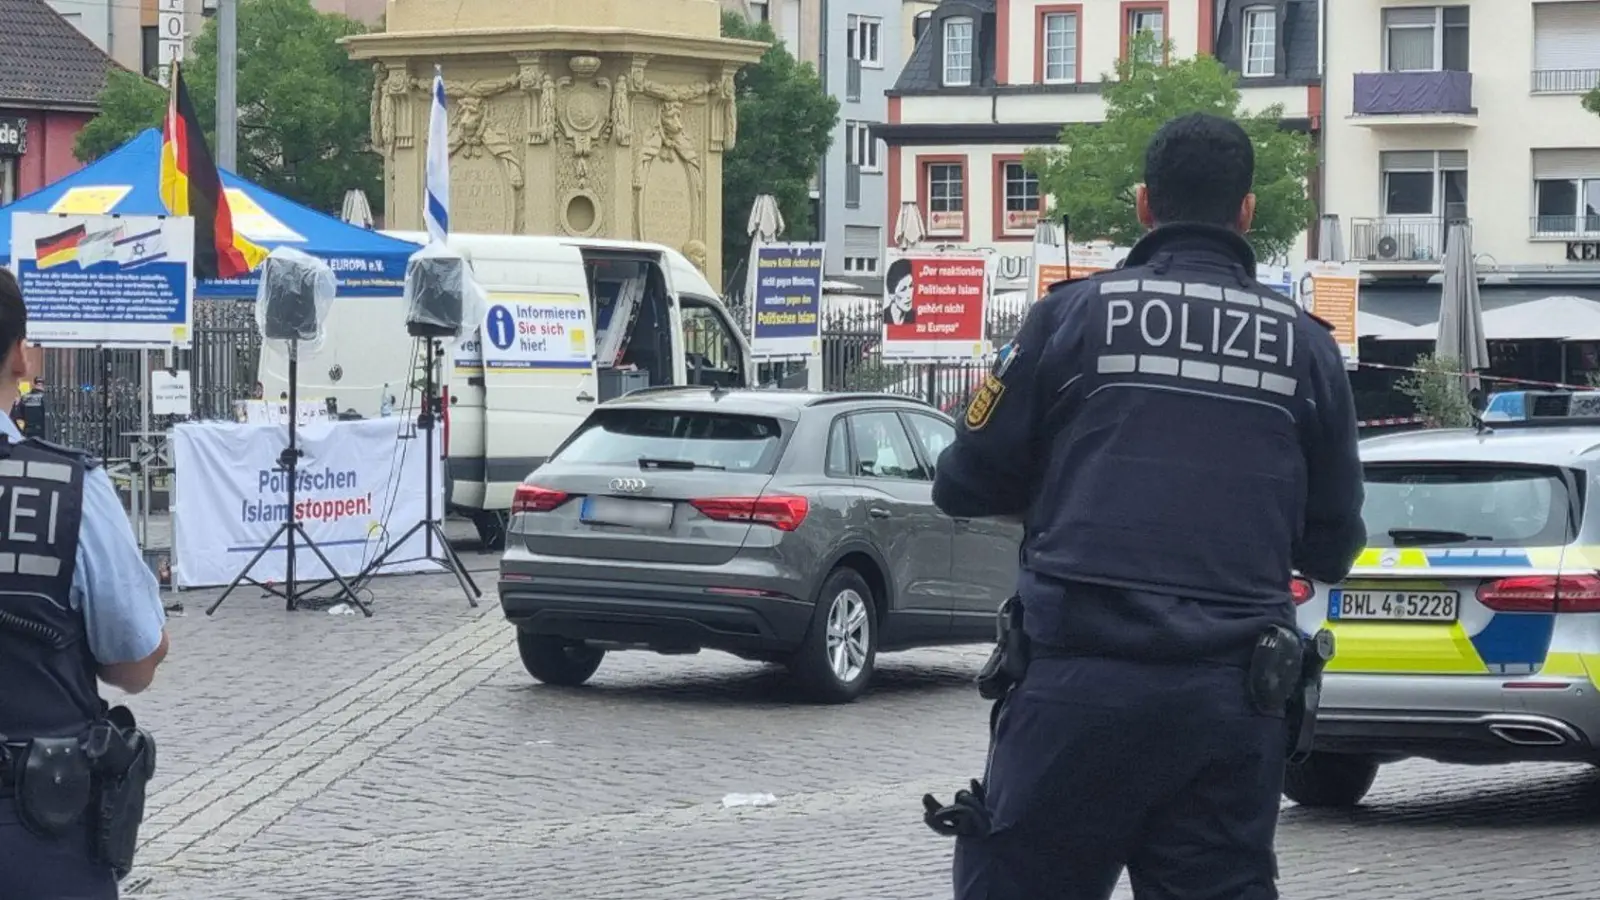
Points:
x=1417 y=537
x=686 y=465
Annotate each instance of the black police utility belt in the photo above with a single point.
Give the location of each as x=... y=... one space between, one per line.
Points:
x=1285 y=678
x=100 y=777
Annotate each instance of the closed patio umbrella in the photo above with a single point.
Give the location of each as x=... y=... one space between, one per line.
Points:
x=1461 y=335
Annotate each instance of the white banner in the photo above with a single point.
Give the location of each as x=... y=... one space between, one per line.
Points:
x=360 y=487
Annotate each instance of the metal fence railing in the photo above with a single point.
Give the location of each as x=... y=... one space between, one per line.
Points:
x=93 y=395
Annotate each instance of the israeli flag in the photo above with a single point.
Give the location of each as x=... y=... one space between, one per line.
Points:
x=436 y=196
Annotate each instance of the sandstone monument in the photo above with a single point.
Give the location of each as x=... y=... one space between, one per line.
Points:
x=590 y=118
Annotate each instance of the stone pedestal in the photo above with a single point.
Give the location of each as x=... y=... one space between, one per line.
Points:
x=588 y=118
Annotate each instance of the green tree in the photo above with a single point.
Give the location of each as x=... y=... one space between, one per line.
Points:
x=1439 y=391
x=786 y=123
x=303 y=104
x=1094 y=172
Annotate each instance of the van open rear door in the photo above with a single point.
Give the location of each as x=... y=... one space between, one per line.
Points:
x=538 y=370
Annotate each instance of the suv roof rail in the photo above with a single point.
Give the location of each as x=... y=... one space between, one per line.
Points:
x=857 y=396
x=667 y=388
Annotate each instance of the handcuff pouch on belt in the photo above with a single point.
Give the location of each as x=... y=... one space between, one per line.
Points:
x=1006 y=666
x=124 y=759
x=1286 y=680
x=51 y=784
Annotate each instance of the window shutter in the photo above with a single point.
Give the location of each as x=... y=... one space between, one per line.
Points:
x=863 y=241
x=1452 y=160
x=1566 y=164
x=1406 y=160
x=1418 y=15
x=1566 y=36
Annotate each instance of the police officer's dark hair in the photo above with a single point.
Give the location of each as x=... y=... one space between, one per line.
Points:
x=898 y=269
x=13 y=315
x=1198 y=168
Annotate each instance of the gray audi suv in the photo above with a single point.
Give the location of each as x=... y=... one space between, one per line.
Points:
x=782 y=526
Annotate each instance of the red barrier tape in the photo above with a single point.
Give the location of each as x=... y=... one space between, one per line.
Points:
x=1500 y=379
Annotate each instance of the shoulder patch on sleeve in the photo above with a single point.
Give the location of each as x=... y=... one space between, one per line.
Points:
x=983 y=403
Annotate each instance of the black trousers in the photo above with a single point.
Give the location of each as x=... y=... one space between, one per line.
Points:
x=1103 y=765
x=36 y=868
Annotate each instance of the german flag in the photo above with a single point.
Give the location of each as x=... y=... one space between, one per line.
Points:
x=190 y=186
x=58 y=248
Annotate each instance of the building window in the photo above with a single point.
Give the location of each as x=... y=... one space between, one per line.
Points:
x=1566 y=192
x=1566 y=47
x=8 y=179
x=1019 y=199
x=1059 y=47
x=1425 y=39
x=1152 y=21
x=150 y=51
x=947 y=201
x=919 y=25
x=759 y=11
x=860 y=148
x=1260 y=41
x=863 y=244
x=863 y=40
x=958 y=52
x=1424 y=184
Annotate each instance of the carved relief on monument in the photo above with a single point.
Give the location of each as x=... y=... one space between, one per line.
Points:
x=669 y=164
x=486 y=172
x=392 y=121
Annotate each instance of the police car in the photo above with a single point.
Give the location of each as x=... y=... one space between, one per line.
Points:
x=1469 y=630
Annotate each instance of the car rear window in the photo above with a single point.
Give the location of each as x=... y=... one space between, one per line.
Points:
x=669 y=438
x=1465 y=506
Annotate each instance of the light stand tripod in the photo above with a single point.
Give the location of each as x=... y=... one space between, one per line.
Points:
x=289 y=463
x=429 y=526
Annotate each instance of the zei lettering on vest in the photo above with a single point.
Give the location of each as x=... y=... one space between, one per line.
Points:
x=1196 y=332
x=30 y=524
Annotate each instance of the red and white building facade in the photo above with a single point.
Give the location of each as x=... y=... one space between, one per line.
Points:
x=990 y=79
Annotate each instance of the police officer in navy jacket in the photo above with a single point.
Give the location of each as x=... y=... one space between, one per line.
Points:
x=1177 y=438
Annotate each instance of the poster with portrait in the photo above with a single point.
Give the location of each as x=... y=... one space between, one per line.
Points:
x=935 y=305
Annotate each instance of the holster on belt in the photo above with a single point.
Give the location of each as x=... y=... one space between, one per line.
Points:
x=123 y=759
x=1006 y=666
x=1317 y=651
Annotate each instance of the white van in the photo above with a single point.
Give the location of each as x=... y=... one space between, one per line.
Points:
x=500 y=423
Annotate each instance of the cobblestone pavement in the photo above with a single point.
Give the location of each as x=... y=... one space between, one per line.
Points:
x=409 y=756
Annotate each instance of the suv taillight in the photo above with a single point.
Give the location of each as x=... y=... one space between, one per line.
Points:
x=1301 y=590
x=532 y=498
x=1543 y=593
x=784 y=513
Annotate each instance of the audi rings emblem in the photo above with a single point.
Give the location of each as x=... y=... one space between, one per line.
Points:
x=629 y=485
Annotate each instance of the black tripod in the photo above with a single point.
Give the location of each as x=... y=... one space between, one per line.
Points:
x=429 y=526
x=288 y=463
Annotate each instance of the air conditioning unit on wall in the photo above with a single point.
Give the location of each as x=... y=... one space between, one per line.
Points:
x=1393 y=247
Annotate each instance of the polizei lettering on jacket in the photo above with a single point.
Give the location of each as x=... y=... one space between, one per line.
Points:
x=1198 y=334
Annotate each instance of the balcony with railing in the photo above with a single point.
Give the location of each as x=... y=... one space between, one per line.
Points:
x=1565 y=81
x=852 y=81
x=1401 y=240
x=1571 y=228
x=1390 y=99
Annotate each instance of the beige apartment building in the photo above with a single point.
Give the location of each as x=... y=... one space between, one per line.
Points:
x=1464 y=111
x=990 y=79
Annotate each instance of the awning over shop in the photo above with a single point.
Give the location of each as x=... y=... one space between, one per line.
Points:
x=1557 y=318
